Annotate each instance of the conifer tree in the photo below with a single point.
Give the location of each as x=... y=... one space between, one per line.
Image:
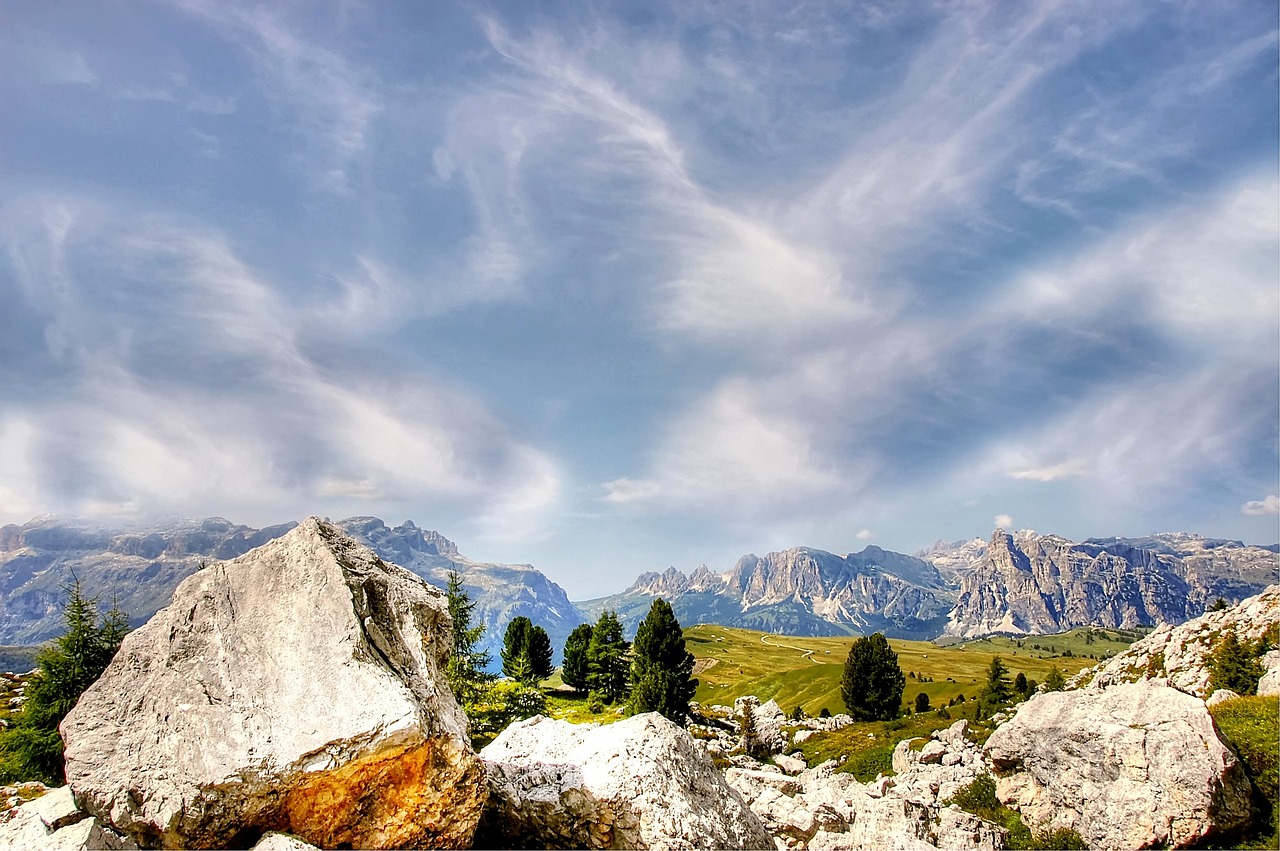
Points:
x=32 y=749
x=526 y=652
x=997 y=692
x=872 y=683
x=1055 y=681
x=1234 y=665
x=466 y=671
x=607 y=658
x=661 y=668
x=574 y=671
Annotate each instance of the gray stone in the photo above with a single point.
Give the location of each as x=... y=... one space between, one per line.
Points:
x=789 y=764
x=1222 y=695
x=299 y=687
x=1130 y=766
x=638 y=783
x=932 y=753
x=282 y=842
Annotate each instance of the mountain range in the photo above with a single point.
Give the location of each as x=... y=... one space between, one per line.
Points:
x=139 y=568
x=1022 y=582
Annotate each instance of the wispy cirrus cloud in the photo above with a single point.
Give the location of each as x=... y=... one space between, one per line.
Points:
x=189 y=381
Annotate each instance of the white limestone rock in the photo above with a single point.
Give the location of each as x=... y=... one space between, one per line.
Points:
x=1130 y=766
x=638 y=783
x=1269 y=685
x=298 y=688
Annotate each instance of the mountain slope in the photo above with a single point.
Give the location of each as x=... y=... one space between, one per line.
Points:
x=1030 y=583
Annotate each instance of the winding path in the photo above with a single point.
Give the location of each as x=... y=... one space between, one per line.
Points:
x=808 y=654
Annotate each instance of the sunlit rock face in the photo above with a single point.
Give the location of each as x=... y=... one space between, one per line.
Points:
x=298 y=688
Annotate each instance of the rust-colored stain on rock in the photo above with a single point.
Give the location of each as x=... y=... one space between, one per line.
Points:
x=428 y=795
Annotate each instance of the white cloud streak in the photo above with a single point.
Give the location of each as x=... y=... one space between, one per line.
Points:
x=186 y=384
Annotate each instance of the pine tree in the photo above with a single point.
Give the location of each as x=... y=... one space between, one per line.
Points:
x=607 y=658
x=574 y=671
x=997 y=692
x=922 y=702
x=1020 y=684
x=540 y=654
x=32 y=748
x=515 y=648
x=872 y=683
x=661 y=668
x=465 y=671
x=1055 y=681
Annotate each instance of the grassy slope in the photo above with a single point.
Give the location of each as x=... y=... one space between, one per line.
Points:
x=744 y=664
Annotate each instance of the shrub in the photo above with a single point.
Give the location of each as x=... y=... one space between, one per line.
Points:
x=595 y=703
x=922 y=702
x=979 y=798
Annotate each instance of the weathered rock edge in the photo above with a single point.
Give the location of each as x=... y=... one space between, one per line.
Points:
x=298 y=688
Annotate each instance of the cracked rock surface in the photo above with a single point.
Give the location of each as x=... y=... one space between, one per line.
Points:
x=298 y=688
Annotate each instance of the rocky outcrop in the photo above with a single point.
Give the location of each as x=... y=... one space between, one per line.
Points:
x=822 y=809
x=639 y=783
x=1039 y=584
x=1180 y=654
x=53 y=822
x=298 y=688
x=1130 y=766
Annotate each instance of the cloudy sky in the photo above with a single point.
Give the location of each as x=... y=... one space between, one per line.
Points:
x=607 y=287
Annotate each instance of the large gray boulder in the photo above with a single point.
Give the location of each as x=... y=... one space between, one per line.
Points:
x=1130 y=766
x=639 y=783
x=299 y=688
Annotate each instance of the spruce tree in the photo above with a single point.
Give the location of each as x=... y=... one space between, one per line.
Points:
x=997 y=692
x=1234 y=665
x=515 y=645
x=661 y=668
x=526 y=652
x=872 y=683
x=32 y=749
x=575 y=670
x=1055 y=681
x=607 y=658
x=466 y=671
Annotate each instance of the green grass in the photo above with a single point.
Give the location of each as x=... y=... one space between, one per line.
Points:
x=868 y=745
x=736 y=662
x=1252 y=726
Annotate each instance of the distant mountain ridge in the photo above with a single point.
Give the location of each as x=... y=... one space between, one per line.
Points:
x=1013 y=583
x=141 y=567
x=799 y=591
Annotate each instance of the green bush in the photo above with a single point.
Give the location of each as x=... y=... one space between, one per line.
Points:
x=1234 y=664
x=502 y=702
x=595 y=703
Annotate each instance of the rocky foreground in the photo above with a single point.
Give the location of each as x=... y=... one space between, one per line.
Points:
x=294 y=698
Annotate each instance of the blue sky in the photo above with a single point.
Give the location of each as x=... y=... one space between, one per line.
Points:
x=607 y=287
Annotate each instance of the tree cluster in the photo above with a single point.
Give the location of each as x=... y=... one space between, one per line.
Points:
x=31 y=748
x=655 y=674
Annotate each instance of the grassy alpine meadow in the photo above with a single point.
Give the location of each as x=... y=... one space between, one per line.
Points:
x=805 y=672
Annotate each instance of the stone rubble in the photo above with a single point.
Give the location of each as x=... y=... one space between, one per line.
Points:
x=823 y=809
